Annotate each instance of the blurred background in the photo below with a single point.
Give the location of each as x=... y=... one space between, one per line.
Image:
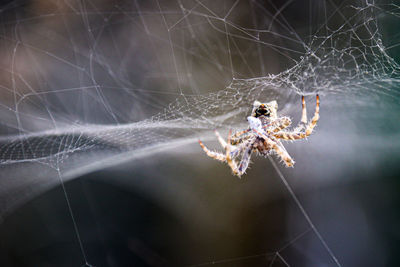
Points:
x=102 y=103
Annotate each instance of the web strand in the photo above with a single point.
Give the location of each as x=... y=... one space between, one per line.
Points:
x=71 y=213
x=303 y=211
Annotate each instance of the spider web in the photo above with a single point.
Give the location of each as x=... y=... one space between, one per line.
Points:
x=89 y=85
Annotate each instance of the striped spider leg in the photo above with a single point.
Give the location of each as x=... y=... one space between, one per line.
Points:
x=231 y=152
x=246 y=147
x=304 y=129
x=277 y=124
x=234 y=151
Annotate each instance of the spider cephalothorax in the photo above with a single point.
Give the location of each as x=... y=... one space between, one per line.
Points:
x=263 y=135
x=265 y=109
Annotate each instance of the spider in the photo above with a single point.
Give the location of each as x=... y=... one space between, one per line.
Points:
x=263 y=136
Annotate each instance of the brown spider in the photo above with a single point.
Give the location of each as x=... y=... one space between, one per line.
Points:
x=263 y=136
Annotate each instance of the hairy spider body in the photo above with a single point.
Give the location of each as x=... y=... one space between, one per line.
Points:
x=263 y=136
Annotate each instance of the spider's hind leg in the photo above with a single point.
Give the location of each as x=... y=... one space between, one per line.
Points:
x=231 y=162
x=244 y=163
x=278 y=148
x=284 y=155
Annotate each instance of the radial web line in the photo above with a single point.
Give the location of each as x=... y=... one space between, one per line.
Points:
x=78 y=236
x=282 y=259
x=277 y=253
x=232 y=259
x=173 y=51
x=300 y=206
x=274 y=254
x=272 y=261
x=294 y=240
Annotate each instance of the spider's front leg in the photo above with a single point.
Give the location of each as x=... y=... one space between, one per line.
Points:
x=304 y=109
x=278 y=125
x=313 y=123
x=297 y=134
x=303 y=122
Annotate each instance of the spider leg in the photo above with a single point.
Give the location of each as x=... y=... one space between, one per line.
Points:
x=278 y=125
x=281 y=152
x=304 y=110
x=235 y=152
x=212 y=154
x=220 y=139
x=268 y=142
x=308 y=128
x=231 y=152
x=244 y=163
x=284 y=123
x=231 y=162
x=237 y=134
x=303 y=123
x=235 y=138
x=279 y=143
